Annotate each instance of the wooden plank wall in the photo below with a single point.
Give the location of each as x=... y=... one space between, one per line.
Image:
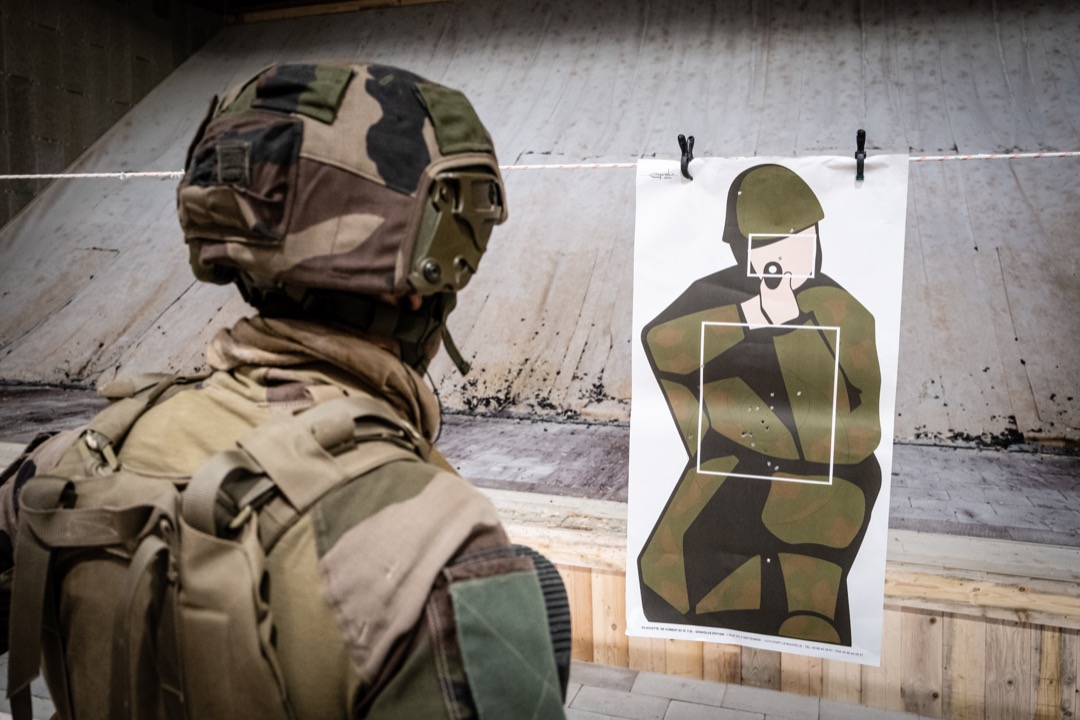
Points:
x=936 y=664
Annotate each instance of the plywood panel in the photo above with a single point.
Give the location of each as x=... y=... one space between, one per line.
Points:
x=1011 y=676
x=1070 y=666
x=801 y=675
x=964 y=671
x=684 y=658
x=841 y=681
x=610 y=645
x=647 y=654
x=722 y=663
x=761 y=668
x=973 y=554
x=1048 y=692
x=921 y=649
x=578 y=582
x=881 y=686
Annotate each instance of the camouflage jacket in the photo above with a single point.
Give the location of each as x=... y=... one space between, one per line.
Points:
x=770 y=397
x=369 y=622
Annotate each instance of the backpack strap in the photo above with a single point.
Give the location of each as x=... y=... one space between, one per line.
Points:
x=105 y=433
x=124 y=675
x=48 y=520
x=302 y=458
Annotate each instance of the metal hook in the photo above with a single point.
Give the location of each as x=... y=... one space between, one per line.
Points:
x=860 y=154
x=686 y=144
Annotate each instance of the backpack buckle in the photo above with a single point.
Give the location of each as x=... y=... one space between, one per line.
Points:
x=101 y=446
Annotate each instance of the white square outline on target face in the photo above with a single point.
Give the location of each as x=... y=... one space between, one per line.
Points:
x=701 y=400
x=772 y=236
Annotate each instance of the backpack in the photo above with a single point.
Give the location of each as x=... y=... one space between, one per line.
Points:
x=162 y=580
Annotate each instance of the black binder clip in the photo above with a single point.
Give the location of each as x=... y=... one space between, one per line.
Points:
x=686 y=144
x=860 y=154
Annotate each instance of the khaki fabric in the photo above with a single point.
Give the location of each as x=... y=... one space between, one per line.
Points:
x=386 y=598
x=339 y=611
x=370 y=368
x=310 y=647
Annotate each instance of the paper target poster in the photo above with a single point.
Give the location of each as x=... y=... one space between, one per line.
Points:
x=766 y=334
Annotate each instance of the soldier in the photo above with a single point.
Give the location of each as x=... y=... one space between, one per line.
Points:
x=762 y=528
x=349 y=203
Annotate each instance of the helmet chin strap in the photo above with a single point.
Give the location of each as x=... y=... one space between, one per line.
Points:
x=413 y=329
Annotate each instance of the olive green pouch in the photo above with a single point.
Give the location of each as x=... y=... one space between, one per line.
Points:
x=519 y=680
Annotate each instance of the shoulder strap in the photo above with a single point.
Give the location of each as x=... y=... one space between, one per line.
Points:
x=106 y=432
x=303 y=457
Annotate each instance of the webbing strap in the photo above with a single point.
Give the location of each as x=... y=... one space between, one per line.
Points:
x=28 y=596
x=124 y=673
x=201 y=494
x=460 y=362
x=88 y=527
x=116 y=420
x=107 y=430
x=21 y=705
x=170 y=667
x=44 y=526
x=294 y=455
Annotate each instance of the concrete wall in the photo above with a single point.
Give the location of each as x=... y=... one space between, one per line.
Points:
x=94 y=283
x=69 y=69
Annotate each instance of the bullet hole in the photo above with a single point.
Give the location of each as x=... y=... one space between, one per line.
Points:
x=1023 y=362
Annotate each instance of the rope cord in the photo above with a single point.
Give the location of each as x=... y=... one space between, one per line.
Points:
x=165 y=174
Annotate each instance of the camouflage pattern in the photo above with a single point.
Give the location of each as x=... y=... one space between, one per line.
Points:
x=360 y=589
x=759 y=539
x=325 y=176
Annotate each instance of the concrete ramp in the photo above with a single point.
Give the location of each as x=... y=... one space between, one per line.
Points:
x=94 y=281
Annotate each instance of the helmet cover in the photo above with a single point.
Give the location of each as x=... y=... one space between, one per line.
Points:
x=340 y=176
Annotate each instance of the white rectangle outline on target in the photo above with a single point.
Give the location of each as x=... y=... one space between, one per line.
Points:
x=701 y=400
x=750 y=244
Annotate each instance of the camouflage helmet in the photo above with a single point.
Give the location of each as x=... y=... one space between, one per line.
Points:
x=770 y=200
x=322 y=186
